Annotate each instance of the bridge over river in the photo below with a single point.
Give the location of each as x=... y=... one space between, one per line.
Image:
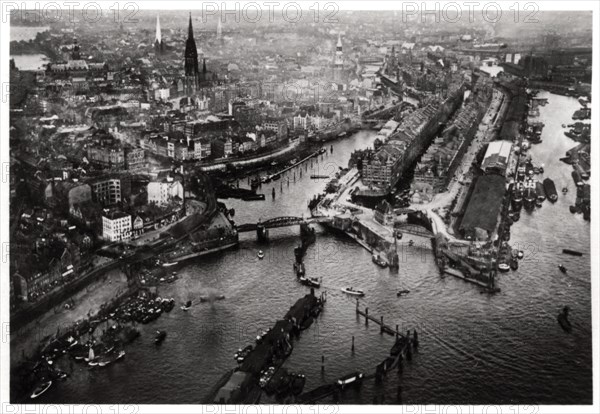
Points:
x=285 y=221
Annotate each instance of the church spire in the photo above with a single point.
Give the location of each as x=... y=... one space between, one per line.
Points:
x=158 y=45
x=158 y=32
x=191 y=52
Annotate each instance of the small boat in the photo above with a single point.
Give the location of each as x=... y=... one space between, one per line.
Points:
x=241 y=354
x=211 y=298
x=187 y=305
x=402 y=292
x=310 y=281
x=120 y=355
x=160 y=337
x=503 y=267
x=563 y=320
x=572 y=252
x=550 y=190
x=169 y=264
x=41 y=389
x=562 y=268
x=378 y=260
x=520 y=254
x=349 y=379
x=411 y=243
x=353 y=292
x=261 y=254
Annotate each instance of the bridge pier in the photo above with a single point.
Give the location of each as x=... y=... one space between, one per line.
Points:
x=262 y=234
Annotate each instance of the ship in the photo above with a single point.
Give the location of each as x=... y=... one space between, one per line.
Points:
x=550 y=190
x=530 y=197
x=577 y=178
x=539 y=191
x=378 y=260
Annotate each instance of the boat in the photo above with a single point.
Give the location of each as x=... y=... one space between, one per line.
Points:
x=503 y=267
x=402 y=292
x=378 y=260
x=91 y=357
x=211 y=298
x=572 y=252
x=299 y=269
x=577 y=178
x=260 y=254
x=411 y=243
x=41 y=389
x=169 y=264
x=540 y=192
x=187 y=305
x=253 y=197
x=120 y=355
x=350 y=379
x=310 y=281
x=550 y=190
x=565 y=190
x=562 y=268
x=353 y=292
x=520 y=254
x=241 y=354
x=160 y=337
x=563 y=320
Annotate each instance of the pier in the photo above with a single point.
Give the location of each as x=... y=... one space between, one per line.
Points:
x=383 y=327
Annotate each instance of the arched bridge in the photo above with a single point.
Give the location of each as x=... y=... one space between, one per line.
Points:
x=281 y=222
x=415 y=229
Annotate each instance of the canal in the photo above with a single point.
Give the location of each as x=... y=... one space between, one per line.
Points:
x=475 y=348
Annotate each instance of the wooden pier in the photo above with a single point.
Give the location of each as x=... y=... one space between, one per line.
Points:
x=383 y=327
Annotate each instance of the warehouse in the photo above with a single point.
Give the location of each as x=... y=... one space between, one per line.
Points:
x=497 y=157
x=481 y=216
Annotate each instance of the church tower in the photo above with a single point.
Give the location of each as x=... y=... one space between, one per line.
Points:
x=158 y=44
x=219 y=30
x=338 y=62
x=191 y=59
x=75 y=55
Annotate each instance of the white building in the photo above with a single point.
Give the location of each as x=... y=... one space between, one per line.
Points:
x=162 y=192
x=116 y=226
x=162 y=94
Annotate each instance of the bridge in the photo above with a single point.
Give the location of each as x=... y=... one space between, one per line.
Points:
x=415 y=229
x=285 y=221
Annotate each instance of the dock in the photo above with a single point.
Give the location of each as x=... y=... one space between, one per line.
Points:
x=303 y=160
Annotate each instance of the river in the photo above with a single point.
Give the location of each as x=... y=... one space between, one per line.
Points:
x=475 y=348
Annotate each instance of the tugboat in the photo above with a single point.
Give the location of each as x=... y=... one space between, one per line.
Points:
x=41 y=389
x=260 y=254
x=310 y=281
x=187 y=305
x=563 y=320
x=562 y=268
x=160 y=337
x=378 y=260
x=353 y=292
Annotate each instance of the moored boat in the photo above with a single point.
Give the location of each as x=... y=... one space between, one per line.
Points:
x=160 y=337
x=503 y=267
x=41 y=389
x=378 y=260
x=353 y=378
x=187 y=305
x=260 y=254
x=550 y=190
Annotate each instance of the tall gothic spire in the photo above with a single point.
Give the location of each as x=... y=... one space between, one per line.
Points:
x=191 y=52
x=158 y=33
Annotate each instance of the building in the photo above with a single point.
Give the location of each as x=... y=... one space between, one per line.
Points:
x=497 y=157
x=135 y=158
x=106 y=155
x=194 y=79
x=116 y=226
x=384 y=213
x=165 y=191
x=485 y=204
x=107 y=191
